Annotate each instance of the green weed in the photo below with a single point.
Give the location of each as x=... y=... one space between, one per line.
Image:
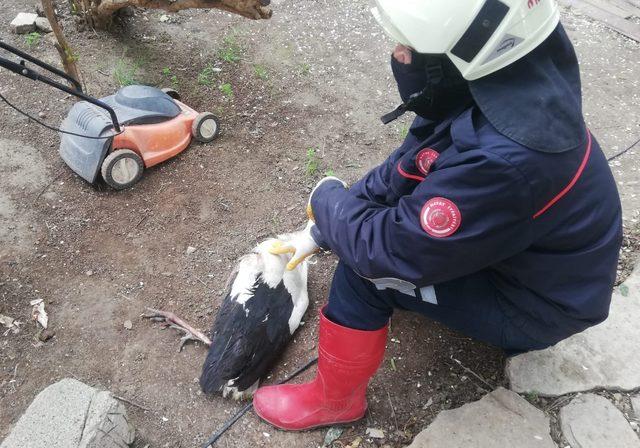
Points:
x=32 y=39
x=261 y=72
x=125 y=73
x=304 y=68
x=226 y=90
x=312 y=162
x=166 y=71
x=231 y=50
x=207 y=76
x=404 y=131
x=330 y=172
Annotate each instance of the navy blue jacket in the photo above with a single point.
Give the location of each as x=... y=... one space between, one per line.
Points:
x=463 y=198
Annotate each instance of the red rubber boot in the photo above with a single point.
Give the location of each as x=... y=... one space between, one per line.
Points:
x=347 y=359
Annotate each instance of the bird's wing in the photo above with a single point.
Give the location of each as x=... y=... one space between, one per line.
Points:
x=247 y=338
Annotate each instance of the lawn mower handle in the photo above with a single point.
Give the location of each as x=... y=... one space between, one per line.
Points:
x=21 y=69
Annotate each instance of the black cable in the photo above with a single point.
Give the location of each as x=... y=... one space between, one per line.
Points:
x=229 y=423
x=615 y=156
x=51 y=127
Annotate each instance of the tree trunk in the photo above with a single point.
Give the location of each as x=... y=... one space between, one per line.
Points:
x=100 y=13
x=64 y=50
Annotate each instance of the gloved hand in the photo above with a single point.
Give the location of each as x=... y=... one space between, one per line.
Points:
x=322 y=181
x=301 y=245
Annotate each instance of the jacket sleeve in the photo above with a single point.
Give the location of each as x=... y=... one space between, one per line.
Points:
x=374 y=186
x=494 y=213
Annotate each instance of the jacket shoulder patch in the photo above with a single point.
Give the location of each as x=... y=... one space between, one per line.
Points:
x=425 y=159
x=440 y=217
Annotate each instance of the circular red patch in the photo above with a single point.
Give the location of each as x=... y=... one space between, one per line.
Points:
x=440 y=217
x=425 y=159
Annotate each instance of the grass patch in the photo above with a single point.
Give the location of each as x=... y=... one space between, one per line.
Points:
x=226 y=89
x=126 y=73
x=166 y=71
x=304 y=68
x=311 y=166
x=207 y=76
x=261 y=72
x=32 y=39
x=231 y=50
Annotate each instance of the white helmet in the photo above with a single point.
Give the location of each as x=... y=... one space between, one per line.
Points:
x=479 y=36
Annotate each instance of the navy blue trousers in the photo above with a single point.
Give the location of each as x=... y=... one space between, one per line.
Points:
x=470 y=305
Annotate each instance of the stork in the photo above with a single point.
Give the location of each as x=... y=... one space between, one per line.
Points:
x=262 y=309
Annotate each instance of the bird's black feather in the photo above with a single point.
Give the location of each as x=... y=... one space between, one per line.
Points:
x=245 y=345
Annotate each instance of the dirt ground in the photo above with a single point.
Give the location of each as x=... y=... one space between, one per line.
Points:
x=315 y=76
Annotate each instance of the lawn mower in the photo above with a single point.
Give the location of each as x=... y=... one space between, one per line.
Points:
x=117 y=137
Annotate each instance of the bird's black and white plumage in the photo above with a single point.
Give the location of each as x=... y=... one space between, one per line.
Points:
x=262 y=309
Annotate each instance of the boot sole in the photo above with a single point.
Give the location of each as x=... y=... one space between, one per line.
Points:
x=307 y=428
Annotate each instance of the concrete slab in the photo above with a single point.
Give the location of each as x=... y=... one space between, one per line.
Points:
x=501 y=419
x=24 y=23
x=107 y=425
x=592 y=421
x=70 y=414
x=635 y=403
x=604 y=356
x=42 y=24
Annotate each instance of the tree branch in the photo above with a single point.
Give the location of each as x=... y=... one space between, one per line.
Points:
x=252 y=9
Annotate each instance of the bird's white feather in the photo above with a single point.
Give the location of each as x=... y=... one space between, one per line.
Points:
x=272 y=270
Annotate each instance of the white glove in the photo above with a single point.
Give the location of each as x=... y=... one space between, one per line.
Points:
x=301 y=245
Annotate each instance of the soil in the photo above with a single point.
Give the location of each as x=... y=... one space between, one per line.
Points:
x=315 y=76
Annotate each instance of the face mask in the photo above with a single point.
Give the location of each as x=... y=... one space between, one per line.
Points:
x=431 y=86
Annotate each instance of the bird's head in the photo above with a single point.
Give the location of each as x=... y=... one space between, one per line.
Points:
x=274 y=266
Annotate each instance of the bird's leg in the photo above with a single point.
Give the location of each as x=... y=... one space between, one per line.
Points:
x=168 y=319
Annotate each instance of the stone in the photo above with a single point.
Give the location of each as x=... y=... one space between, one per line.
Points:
x=592 y=421
x=71 y=414
x=635 y=403
x=24 y=23
x=501 y=419
x=190 y=250
x=604 y=356
x=128 y=324
x=375 y=433
x=42 y=24
x=107 y=425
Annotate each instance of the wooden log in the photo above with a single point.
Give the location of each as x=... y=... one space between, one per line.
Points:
x=634 y=10
x=102 y=11
x=610 y=7
x=622 y=26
